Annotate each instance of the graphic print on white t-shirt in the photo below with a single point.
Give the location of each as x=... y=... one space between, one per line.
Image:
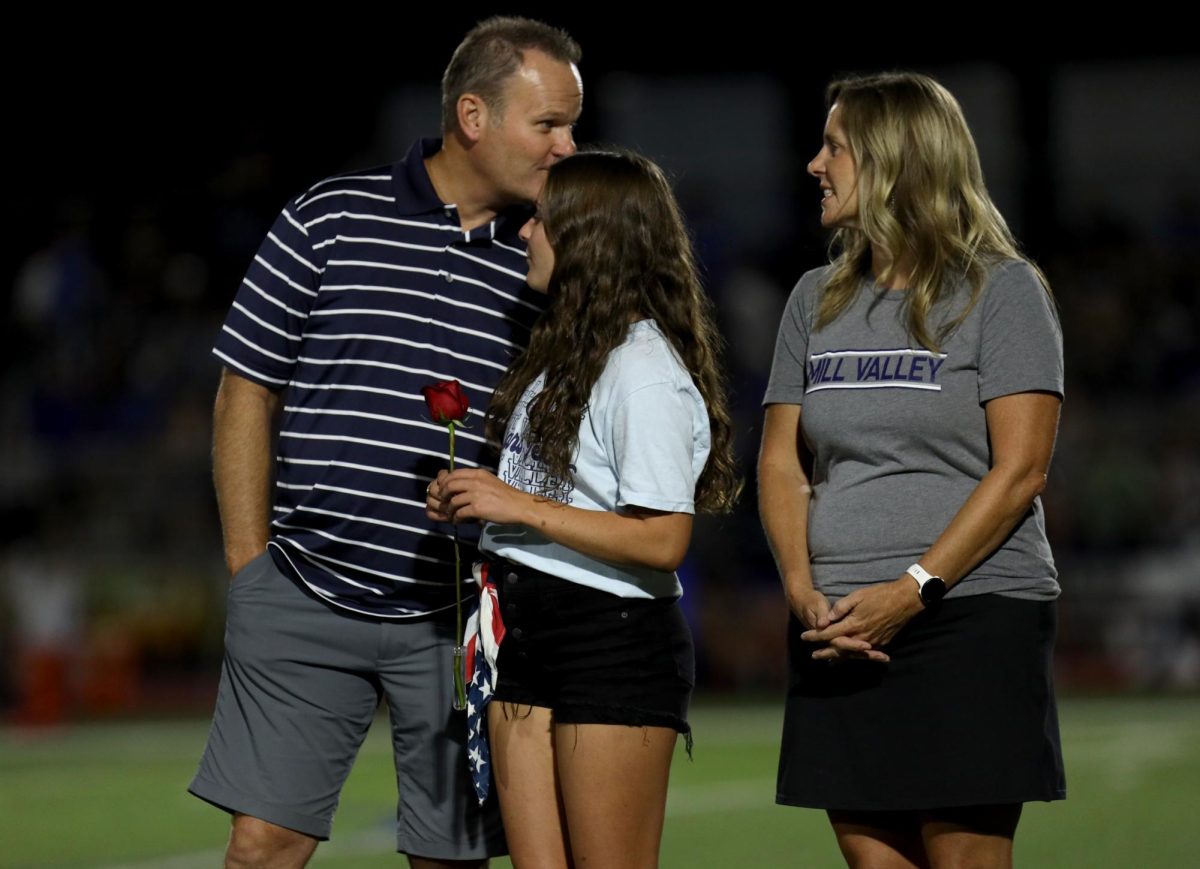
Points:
x=523 y=469
x=521 y=466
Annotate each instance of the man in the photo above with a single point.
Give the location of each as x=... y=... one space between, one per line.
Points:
x=369 y=286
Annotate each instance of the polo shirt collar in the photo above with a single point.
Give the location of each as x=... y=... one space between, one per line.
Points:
x=415 y=195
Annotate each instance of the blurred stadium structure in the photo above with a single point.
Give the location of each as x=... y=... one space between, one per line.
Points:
x=128 y=250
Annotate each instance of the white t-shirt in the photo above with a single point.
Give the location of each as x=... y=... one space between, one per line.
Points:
x=643 y=442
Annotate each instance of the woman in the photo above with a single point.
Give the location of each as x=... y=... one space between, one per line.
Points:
x=911 y=416
x=614 y=431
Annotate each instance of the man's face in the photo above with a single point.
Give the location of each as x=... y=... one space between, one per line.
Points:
x=542 y=101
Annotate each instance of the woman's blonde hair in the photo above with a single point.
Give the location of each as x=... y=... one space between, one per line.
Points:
x=921 y=200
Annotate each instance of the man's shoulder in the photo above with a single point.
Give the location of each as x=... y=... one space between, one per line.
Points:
x=374 y=183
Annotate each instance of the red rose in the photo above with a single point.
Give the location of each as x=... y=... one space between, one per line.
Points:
x=446 y=401
x=448 y=405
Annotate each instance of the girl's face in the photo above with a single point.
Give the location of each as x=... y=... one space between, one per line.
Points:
x=834 y=167
x=541 y=255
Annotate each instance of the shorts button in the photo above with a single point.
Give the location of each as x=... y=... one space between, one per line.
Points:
x=510 y=608
x=517 y=633
x=624 y=614
x=511 y=576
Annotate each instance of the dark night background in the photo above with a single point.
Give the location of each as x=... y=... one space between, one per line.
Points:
x=147 y=168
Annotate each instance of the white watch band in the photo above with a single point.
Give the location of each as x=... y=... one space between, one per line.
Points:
x=920 y=574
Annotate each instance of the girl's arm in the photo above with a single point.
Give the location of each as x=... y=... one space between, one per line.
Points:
x=633 y=536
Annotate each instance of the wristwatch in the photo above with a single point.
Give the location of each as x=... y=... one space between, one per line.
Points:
x=931 y=588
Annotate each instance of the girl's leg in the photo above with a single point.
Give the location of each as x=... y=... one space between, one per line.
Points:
x=970 y=836
x=614 y=788
x=522 y=746
x=879 y=840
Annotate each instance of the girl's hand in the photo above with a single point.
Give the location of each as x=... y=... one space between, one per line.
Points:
x=433 y=498
x=477 y=495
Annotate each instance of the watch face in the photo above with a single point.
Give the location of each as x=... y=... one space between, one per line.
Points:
x=933 y=590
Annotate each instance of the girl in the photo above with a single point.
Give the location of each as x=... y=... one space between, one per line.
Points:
x=615 y=431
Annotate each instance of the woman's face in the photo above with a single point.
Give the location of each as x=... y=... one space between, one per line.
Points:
x=541 y=255
x=834 y=167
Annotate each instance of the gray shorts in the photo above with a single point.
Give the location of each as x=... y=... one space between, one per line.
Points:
x=299 y=688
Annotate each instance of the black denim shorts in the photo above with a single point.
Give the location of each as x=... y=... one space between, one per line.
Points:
x=592 y=657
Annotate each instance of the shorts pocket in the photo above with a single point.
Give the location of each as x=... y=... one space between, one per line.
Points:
x=254 y=569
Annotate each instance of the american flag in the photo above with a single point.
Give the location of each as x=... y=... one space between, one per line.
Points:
x=482 y=637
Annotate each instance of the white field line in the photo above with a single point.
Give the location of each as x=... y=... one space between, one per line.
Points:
x=1127 y=757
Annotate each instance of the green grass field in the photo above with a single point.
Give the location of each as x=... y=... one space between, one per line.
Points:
x=113 y=796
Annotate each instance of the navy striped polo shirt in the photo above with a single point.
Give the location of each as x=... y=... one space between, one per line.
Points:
x=365 y=290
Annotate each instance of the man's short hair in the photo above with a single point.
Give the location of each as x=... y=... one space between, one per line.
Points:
x=490 y=53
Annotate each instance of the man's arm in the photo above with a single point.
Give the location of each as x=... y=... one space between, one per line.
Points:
x=244 y=420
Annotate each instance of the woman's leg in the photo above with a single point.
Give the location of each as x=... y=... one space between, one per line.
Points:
x=971 y=836
x=879 y=840
x=614 y=787
x=522 y=746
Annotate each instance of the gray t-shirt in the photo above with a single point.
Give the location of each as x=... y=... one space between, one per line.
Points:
x=898 y=432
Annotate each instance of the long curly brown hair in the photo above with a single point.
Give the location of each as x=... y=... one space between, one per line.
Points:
x=621 y=254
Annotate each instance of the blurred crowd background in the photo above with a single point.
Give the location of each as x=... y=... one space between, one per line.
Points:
x=143 y=185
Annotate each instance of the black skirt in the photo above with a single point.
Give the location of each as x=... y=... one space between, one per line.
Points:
x=963 y=714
